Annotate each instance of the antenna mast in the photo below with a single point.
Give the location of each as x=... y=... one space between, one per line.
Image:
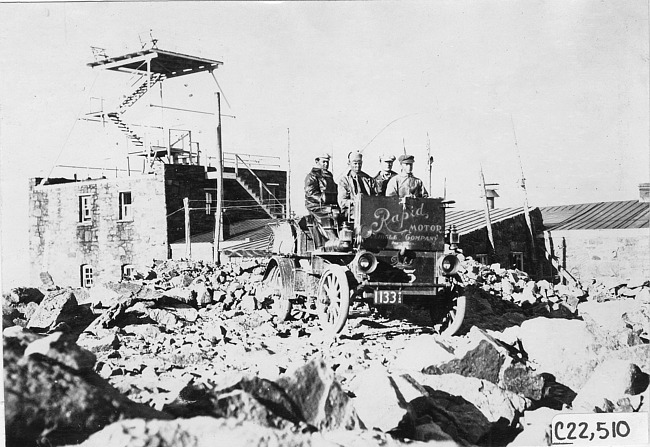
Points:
x=523 y=186
x=429 y=160
x=288 y=193
x=488 y=222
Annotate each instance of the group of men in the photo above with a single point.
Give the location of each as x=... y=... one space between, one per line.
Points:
x=322 y=193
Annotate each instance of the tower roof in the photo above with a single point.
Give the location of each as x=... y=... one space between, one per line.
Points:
x=162 y=62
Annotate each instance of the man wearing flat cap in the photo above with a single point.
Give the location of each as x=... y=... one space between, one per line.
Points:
x=386 y=173
x=355 y=182
x=320 y=192
x=406 y=184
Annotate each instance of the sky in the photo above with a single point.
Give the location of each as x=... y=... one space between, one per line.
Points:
x=557 y=89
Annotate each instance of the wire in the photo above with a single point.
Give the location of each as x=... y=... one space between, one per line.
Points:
x=46 y=178
x=385 y=127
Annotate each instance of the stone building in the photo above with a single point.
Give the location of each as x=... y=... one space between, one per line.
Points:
x=101 y=229
x=513 y=245
x=600 y=240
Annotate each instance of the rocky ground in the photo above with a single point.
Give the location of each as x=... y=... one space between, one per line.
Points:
x=190 y=355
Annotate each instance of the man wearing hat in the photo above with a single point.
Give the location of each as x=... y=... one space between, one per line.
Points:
x=320 y=194
x=386 y=173
x=405 y=184
x=354 y=183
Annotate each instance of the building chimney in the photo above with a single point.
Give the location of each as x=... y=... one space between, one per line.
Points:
x=490 y=194
x=644 y=192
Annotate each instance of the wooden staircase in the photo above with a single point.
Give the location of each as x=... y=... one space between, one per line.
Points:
x=264 y=198
x=143 y=88
x=114 y=117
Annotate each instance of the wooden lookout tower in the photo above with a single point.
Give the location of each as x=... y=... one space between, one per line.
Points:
x=148 y=68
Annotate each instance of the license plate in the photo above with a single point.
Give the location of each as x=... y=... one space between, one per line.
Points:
x=388 y=297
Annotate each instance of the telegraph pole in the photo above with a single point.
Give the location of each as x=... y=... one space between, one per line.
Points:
x=218 y=230
x=430 y=161
x=288 y=188
x=188 y=233
x=487 y=210
x=523 y=186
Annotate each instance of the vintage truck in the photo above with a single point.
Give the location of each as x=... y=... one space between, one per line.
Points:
x=390 y=251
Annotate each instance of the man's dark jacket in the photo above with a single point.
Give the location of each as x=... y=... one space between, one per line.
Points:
x=320 y=189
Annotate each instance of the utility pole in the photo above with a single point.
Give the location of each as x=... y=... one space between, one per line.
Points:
x=288 y=188
x=523 y=186
x=218 y=230
x=487 y=210
x=188 y=233
x=430 y=161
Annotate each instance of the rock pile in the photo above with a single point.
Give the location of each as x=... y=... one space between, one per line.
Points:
x=187 y=353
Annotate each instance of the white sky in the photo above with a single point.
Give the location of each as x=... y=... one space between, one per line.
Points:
x=573 y=76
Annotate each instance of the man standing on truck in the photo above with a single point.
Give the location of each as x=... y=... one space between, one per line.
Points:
x=354 y=183
x=320 y=196
x=386 y=173
x=406 y=184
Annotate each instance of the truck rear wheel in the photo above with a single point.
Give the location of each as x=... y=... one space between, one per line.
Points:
x=447 y=314
x=281 y=307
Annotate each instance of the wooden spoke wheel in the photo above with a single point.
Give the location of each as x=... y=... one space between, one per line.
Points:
x=333 y=300
x=447 y=313
x=281 y=307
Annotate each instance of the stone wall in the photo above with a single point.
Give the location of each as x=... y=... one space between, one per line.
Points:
x=510 y=236
x=60 y=244
x=616 y=253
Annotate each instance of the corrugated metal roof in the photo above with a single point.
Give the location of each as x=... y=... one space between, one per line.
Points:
x=241 y=230
x=468 y=221
x=553 y=215
x=245 y=226
x=626 y=214
x=257 y=243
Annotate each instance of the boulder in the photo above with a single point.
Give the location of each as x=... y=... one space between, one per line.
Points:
x=52 y=404
x=111 y=293
x=623 y=379
x=62 y=350
x=523 y=380
x=201 y=431
x=643 y=295
x=47 y=281
x=242 y=406
x=494 y=402
x=28 y=309
x=536 y=428
x=375 y=388
x=24 y=295
x=321 y=400
x=57 y=307
x=182 y=294
x=203 y=294
x=162 y=317
x=564 y=348
x=106 y=342
x=482 y=362
x=608 y=315
x=440 y=416
x=422 y=351
x=248 y=302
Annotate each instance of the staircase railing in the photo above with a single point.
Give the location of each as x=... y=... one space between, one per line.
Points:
x=273 y=201
x=143 y=88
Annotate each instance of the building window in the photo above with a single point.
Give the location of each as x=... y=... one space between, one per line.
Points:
x=86 y=276
x=517 y=260
x=128 y=270
x=208 y=203
x=482 y=258
x=126 y=212
x=85 y=209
